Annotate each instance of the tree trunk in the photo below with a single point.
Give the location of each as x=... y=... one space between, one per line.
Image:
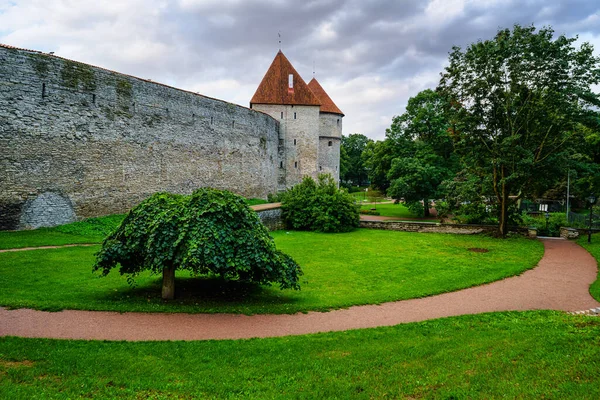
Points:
x=503 y=222
x=168 y=284
x=426 y=213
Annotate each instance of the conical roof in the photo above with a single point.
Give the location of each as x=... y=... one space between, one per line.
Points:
x=278 y=88
x=327 y=105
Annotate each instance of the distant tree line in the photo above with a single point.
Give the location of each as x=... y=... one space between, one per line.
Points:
x=509 y=120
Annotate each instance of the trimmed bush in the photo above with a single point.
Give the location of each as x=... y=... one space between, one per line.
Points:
x=319 y=206
x=210 y=232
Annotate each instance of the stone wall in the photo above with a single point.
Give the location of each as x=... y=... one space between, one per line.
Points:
x=270 y=215
x=299 y=135
x=575 y=233
x=80 y=141
x=425 y=227
x=330 y=140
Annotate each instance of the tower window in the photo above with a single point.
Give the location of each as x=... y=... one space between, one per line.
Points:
x=282 y=115
x=320 y=168
x=330 y=143
x=294 y=142
x=211 y=120
x=280 y=164
x=294 y=115
x=295 y=164
x=338 y=122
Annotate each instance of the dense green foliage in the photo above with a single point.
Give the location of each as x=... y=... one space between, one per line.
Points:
x=340 y=270
x=319 y=206
x=352 y=168
x=532 y=355
x=210 y=232
x=428 y=159
x=518 y=102
x=396 y=210
x=594 y=249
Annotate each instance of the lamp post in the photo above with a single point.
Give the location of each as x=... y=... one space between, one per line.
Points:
x=592 y=201
x=544 y=208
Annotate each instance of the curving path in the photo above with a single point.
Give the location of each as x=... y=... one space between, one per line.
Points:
x=560 y=282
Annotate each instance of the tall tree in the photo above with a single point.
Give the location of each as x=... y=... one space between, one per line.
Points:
x=353 y=145
x=416 y=177
x=518 y=99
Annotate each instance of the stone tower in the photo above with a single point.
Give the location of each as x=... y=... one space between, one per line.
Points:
x=310 y=124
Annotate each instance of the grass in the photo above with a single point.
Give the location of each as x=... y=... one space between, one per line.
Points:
x=255 y=202
x=372 y=195
x=91 y=230
x=394 y=210
x=541 y=354
x=594 y=249
x=341 y=270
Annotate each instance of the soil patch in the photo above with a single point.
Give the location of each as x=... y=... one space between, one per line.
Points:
x=478 y=250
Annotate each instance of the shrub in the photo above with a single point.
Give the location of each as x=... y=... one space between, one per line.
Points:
x=555 y=221
x=319 y=206
x=209 y=232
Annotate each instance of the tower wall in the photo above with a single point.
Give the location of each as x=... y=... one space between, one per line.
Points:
x=330 y=140
x=298 y=139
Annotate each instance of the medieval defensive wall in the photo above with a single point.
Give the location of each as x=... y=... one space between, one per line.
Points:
x=80 y=141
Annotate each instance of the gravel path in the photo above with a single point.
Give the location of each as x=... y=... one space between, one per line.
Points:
x=560 y=282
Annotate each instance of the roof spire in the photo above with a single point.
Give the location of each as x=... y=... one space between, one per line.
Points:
x=279 y=36
x=313 y=69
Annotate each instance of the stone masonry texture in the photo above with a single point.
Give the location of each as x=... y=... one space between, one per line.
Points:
x=79 y=141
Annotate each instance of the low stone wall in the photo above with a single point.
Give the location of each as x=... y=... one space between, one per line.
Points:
x=575 y=233
x=270 y=215
x=424 y=227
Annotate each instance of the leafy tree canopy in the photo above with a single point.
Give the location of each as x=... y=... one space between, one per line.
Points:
x=428 y=158
x=353 y=147
x=517 y=101
x=208 y=232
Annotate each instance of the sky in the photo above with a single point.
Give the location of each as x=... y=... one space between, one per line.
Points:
x=370 y=56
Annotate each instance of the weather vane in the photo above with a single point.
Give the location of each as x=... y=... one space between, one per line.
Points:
x=279 y=36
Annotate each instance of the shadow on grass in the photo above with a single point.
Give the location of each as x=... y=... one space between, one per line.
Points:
x=204 y=291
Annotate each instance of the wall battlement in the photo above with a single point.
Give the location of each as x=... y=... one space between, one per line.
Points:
x=80 y=141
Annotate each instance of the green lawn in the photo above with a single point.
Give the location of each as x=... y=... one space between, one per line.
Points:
x=594 y=249
x=91 y=230
x=255 y=202
x=394 y=210
x=530 y=355
x=340 y=270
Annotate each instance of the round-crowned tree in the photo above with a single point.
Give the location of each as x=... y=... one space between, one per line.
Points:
x=319 y=206
x=209 y=232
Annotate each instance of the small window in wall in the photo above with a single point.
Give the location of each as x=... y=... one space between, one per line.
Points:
x=294 y=115
x=211 y=120
x=281 y=142
x=294 y=142
x=320 y=168
x=338 y=122
x=295 y=164
x=330 y=143
x=280 y=164
x=282 y=115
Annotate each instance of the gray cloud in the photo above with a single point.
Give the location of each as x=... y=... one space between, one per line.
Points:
x=370 y=56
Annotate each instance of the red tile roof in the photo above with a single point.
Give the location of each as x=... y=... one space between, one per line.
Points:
x=327 y=105
x=273 y=88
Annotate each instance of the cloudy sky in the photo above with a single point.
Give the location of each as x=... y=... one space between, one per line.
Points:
x=369 y=55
